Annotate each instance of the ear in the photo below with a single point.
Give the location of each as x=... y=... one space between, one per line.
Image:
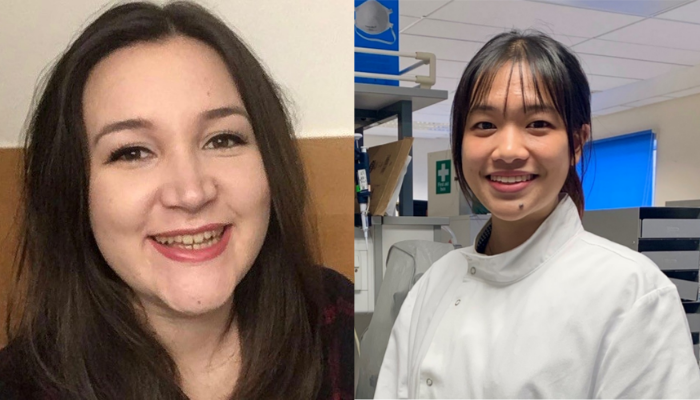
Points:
x=580 y=139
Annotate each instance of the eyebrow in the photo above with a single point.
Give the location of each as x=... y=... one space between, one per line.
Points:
x=140 y=123
x=529 y=108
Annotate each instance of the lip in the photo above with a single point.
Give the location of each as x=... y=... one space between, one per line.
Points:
x=194 y=256
x=510 y=187
x=510 y=173
x=202 y=229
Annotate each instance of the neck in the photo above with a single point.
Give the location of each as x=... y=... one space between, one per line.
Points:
x=204 y=347
x=507 y=235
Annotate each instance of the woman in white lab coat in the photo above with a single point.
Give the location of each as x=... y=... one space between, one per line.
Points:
x=538 y=307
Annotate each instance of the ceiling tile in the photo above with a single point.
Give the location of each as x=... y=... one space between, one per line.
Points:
x=420 y=8
x=454 y=30
x=568 y=40
x=405 y=21
x=449 y=84
x=683 y=93
x=601 y=83
x=449 y=69
x=688 y=13
x=623 y=68
x=445 y=49
x=646 y=8
x=470 y=32
x=654 y=32
x=611 y=110
x=646 y=102
x=638 y=52
x=550 y=18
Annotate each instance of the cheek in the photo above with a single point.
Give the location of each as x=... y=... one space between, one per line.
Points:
x=117 y=218
x=474 y=157
x=112 y=208
x=248 y=191
x=119 y=207
x=556 y=157
x=119 y=201
x=261 y=204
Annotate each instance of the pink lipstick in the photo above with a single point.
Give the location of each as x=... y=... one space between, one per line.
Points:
x=181 y=254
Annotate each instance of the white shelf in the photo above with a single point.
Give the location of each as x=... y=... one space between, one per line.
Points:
x=370 y=97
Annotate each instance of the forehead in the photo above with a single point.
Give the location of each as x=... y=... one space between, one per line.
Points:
x=178 y=76
x=513 y=85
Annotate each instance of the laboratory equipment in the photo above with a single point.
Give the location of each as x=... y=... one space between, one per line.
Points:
x=362 y=183
x=384 y=232
x=407 y=261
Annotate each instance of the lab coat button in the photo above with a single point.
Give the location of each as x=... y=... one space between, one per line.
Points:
x=457 y=302
x=429 y=382
x=473 y=270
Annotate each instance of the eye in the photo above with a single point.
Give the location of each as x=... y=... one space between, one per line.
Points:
x=129 y=154
x=225 y=141
x=540 y=125
x=484 y=126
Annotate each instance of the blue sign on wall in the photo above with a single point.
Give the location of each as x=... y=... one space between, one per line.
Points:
x=377 y=27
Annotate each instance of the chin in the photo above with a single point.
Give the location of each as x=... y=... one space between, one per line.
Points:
x=195 y=308
x=193 y=303
x=506 y=210
x=509 y=215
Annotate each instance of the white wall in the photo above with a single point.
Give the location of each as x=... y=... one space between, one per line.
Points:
x=306 y=44
x=421 y=148
x=677 y=126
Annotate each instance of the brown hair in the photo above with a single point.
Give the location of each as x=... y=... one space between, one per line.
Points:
x=555 y=72
x=73 y=330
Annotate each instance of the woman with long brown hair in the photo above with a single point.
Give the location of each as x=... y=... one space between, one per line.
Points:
x=165 y=250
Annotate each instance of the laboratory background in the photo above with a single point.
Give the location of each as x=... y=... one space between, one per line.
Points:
x=318 y=86
x=642 y=61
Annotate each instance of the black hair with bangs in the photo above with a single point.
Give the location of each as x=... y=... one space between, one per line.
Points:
x=558 y=80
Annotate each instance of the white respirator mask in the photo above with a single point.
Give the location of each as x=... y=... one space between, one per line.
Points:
x=372 y=18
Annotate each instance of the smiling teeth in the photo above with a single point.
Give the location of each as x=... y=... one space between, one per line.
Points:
x=511 y=179
x=192 y=242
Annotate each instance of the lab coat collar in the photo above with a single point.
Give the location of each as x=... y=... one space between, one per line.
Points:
x=562 y=224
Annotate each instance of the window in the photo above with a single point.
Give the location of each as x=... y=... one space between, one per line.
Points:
x=620 y=171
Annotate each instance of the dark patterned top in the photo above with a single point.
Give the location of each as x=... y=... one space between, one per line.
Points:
x=483 y=239
x=337 y=330
x=337 y=333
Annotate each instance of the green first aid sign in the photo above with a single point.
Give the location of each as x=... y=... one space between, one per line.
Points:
x=443 y=180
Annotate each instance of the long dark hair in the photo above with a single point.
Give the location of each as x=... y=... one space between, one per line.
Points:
x=73 y=329
x=555 y=72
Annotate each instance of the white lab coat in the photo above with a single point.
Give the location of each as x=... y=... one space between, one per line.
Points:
x=565 y=315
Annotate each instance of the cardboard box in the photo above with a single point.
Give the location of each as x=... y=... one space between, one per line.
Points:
x=385 y=165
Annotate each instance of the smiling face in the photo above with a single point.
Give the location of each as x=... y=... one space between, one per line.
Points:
x=173 y=159
x=513 y=155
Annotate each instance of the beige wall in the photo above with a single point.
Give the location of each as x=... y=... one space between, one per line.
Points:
x=677 y=126
x=10 y=164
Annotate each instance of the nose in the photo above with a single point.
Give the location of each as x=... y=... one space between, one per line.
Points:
x=510 y=145
x=188 y=185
